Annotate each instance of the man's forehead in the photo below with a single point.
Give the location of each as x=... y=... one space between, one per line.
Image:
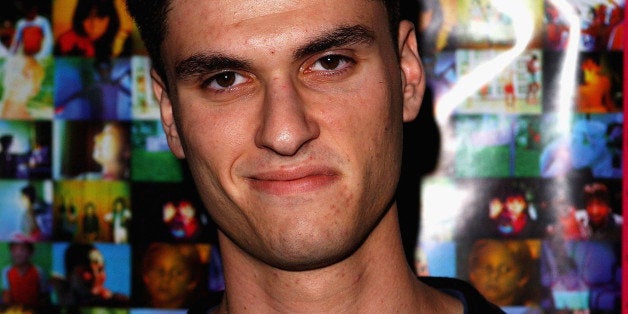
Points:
x=245 y=9
x=222 y=26
x=226 y=13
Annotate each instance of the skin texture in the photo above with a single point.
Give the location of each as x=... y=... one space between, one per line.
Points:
x=290 y=115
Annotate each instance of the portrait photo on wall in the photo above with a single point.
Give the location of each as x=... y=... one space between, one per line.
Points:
x=145 y=105
x=588 y=145
x=600 y=80
x=92 y=211
x=174 y=275
x=91 y=150
x=513 y=86
x=497 y=145
x=26 y=28
x=26 y=66
x=584 y=209
x=506 y=208
x=506 y=272
x=581 y=275
x=91 y=275
x=25 y=268
x=151 y=158
x=601 y=24
x=89 y=89
x=25 y=149
x=26 y=212
x=170 y=212
x=94 y=29
x=486 y=24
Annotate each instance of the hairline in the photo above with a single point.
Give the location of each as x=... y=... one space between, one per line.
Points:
x=157 y=58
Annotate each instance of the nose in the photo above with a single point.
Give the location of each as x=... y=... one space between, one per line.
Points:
x=286 y=124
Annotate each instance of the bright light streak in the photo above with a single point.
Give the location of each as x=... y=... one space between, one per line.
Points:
x=523 y=24
x=564 y=96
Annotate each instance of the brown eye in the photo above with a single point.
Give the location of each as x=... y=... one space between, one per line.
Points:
x=330 y=62
x=225 y=79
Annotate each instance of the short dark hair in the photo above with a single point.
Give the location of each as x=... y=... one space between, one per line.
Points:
x=77 y=254
x=597 y=191
x=150 y=17
x=28 y=245
x=30 y=192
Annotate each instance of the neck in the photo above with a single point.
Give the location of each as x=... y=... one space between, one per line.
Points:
x=376 y=278
x=113 y=171
x=23 y=267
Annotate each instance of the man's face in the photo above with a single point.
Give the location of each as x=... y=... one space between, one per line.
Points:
x=290 y=116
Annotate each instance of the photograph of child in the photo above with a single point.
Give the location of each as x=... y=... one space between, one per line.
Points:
x=84 y=274
x=25 y=267
x=174 y=276
x=504 y=271
x=92 y=211
x=96 y=150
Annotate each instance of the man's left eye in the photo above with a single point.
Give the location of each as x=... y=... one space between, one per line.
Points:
x=331 y=63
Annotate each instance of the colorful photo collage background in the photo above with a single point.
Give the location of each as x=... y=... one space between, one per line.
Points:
x=526 y=201
x=95 y=212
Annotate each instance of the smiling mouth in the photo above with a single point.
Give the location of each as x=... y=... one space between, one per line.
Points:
x=286 y=183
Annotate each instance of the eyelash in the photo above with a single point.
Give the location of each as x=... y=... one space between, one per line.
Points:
x=238 y=79
x=344 y=63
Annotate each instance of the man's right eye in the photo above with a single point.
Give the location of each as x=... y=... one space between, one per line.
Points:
x=224 y=81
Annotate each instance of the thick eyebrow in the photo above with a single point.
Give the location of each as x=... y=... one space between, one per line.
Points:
x=342 y=36
x=201 y=63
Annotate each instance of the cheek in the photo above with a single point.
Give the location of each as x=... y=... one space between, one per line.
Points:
x=213 y=143
x=509 y=282
x=207 y=131
x=367 y=120
x=476 y=279
x=87 y=276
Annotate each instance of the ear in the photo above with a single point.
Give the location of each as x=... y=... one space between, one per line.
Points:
x=412 y=76
x=168 y=122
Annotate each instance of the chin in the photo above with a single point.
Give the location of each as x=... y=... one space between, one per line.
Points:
x=308 y=252
x=306 y=263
